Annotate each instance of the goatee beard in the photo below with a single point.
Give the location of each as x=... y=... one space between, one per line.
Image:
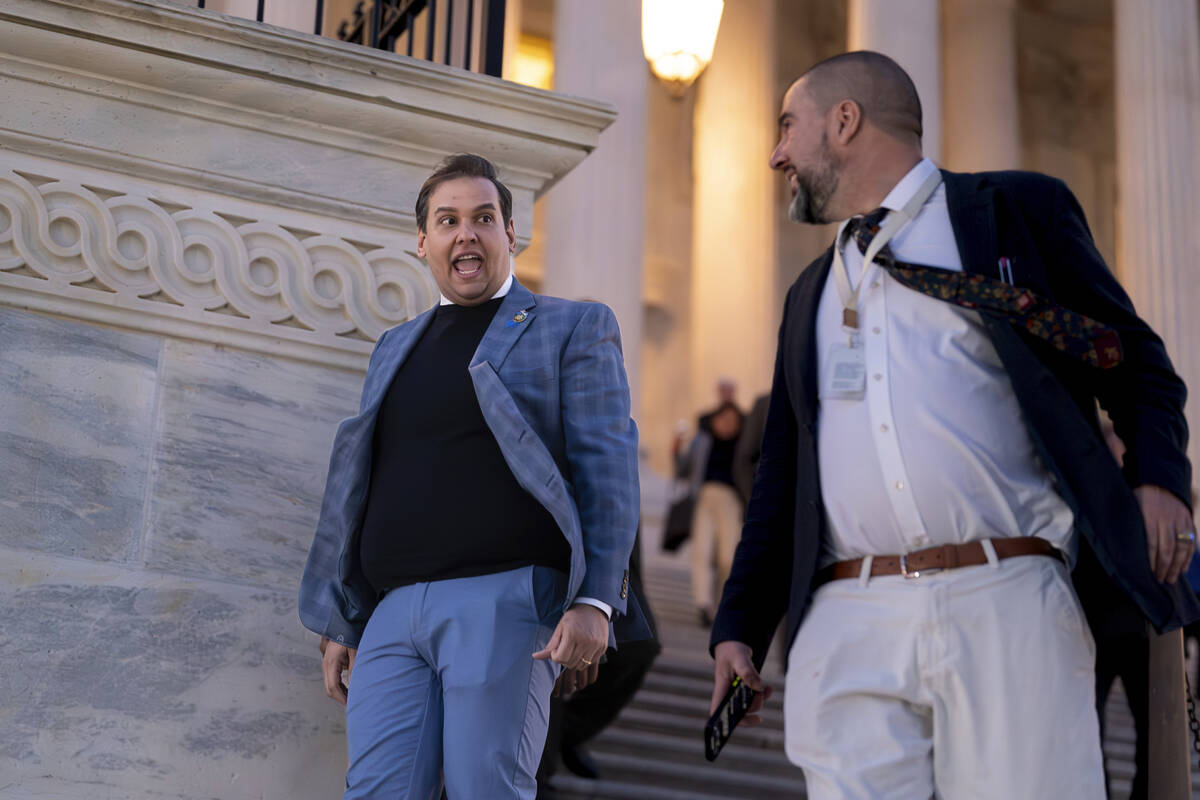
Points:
x=812 y=198
x=800 y=209
x=815 y=189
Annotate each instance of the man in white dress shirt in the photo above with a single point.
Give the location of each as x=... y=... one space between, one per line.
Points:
x=932 y=468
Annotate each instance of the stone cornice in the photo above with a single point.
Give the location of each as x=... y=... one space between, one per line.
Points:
x=316 y=63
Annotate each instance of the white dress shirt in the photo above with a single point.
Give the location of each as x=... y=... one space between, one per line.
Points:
x=501 y=292
x=936 y=451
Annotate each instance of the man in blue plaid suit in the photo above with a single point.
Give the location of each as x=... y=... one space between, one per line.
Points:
x=478 y=516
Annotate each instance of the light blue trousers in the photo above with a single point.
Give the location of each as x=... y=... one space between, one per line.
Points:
x=444 y=687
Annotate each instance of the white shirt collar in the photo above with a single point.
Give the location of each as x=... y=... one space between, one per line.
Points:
x=900 y=194
x=503 y=290
x=903 y=191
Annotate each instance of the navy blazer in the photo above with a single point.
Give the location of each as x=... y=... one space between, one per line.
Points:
x=550 y=381
x=1037 y=223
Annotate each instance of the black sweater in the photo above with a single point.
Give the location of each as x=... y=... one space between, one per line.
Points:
x=443 y=503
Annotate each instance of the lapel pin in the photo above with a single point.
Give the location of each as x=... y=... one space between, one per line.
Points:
x=517 y=319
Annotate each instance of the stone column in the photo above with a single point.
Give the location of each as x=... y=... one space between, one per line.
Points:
x=1158 y=175
x=908 y=31
x=512 y=37
x=594 y=228
x=982 y=115
x=735 y=311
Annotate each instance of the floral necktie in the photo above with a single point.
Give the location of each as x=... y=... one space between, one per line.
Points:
x=1072 y=333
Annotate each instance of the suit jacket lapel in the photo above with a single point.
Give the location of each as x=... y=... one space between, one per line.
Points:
x=506 y=327
x=803 y=333
x=973 y=218
x=399 y=343
x=493 y=348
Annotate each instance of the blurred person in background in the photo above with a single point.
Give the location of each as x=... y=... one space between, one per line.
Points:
x=749 y=447
x=717 y=515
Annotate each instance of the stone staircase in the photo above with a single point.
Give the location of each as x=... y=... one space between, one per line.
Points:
x=655 y=750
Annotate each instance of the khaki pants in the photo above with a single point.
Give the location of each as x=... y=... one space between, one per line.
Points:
x=716 y=528
x=969 y=683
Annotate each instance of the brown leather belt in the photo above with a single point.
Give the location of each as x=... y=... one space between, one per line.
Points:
x=935 y=559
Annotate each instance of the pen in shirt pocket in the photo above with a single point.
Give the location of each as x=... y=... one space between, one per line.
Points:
x=1006 y=273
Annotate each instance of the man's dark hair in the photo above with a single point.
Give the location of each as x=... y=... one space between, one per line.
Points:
x=878 y=84
x=462 y=165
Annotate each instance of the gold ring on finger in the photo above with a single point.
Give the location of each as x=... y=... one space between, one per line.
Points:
x=585 y=661
x=1190 y=536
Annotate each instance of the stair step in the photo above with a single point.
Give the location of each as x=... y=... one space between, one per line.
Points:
x=710 y=777
x=570 y=787
x=700 y=688
x=634 y=717
x=699 y=666
x=690 y=750
x=697 y=707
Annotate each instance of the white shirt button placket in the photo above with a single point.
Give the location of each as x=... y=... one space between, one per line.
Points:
x=879 y=405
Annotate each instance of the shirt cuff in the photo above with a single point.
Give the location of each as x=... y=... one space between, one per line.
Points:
x=600 y=604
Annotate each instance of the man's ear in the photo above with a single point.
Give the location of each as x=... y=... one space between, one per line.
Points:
x=846 y=120
x=511 y=232
x=420 y=244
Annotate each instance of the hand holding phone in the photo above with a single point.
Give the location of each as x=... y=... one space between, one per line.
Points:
x=729 y=713
x=738 y=693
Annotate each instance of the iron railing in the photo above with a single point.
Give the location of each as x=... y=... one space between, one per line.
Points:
x=460 y=33
x=318 y=22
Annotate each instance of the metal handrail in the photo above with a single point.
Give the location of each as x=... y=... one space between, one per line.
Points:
x=389 y=20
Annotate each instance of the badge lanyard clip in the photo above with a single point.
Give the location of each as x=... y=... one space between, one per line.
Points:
x=895 y=220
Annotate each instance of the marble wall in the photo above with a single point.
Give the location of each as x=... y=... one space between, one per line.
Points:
x=159 y=498
x=75 y=454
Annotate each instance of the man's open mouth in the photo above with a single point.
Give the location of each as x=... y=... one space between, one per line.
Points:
x=468 y=264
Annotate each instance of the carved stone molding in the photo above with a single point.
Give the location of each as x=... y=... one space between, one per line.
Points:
x=82 y=245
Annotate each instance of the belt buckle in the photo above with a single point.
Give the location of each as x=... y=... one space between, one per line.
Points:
x=916 y=573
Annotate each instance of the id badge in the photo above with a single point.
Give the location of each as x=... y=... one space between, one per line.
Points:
x=845 y=372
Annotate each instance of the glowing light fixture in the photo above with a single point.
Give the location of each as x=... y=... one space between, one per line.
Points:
x=533 y=63
x=678 y=38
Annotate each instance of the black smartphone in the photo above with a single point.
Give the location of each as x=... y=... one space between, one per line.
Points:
x=720 y=726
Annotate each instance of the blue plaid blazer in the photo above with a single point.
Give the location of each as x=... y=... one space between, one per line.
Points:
x=551 y=384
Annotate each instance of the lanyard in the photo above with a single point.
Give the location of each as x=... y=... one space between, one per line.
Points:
x=895 y=220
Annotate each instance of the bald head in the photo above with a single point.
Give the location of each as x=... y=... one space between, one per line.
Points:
x=880 y=87
x=849 y=130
